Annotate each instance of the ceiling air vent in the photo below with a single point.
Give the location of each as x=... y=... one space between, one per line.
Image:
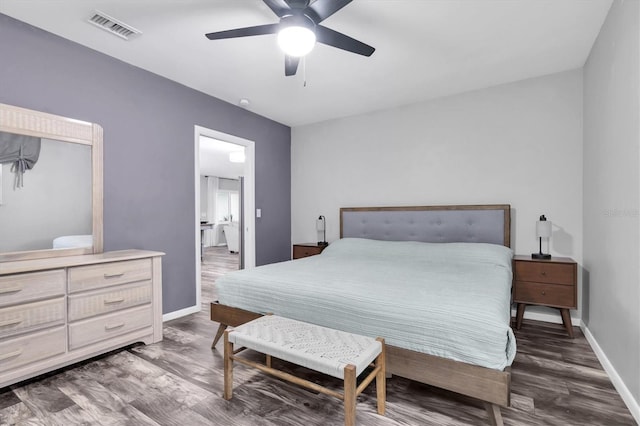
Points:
x=107 y=23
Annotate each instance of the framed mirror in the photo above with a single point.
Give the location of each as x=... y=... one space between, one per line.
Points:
x=50 y=185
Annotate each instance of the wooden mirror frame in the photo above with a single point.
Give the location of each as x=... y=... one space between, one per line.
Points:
x=39 y=124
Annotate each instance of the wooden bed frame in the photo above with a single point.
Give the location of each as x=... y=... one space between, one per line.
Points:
x=485 y=384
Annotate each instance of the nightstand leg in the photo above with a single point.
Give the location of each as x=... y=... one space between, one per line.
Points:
x=566 y=320
x=519 y=315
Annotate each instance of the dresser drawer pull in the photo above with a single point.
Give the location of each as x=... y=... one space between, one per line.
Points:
x=113 y=301
x=9 y=322
x=10 y=289
x=113 y=326
x=113 y=275
x=543 y=273
x=544 y=293
x=10 y=355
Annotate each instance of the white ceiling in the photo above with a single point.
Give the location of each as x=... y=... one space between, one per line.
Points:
x=424 y=48
x=214 y=159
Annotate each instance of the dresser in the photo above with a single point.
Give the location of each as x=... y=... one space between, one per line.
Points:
x=61 y=310
x=547 y=282
x=307 y=249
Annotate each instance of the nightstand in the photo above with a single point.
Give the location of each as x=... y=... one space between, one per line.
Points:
x=551 y=282
x=307 y=249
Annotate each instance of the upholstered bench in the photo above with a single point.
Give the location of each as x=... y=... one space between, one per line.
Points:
x=336 y=353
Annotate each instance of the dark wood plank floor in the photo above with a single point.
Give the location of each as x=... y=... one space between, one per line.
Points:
x=556 y=381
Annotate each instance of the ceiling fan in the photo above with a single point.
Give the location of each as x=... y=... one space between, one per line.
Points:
x=299 y=29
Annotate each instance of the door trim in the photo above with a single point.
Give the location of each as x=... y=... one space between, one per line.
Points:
x=249 y=219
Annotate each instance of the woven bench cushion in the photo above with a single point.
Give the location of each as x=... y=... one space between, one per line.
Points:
x=318 y=348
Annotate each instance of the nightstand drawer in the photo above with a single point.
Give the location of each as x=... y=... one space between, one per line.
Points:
x=545 y=294
x=306 y=251
x=541 y=272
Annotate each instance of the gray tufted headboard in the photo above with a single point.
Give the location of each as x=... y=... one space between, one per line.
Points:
x=437 y=224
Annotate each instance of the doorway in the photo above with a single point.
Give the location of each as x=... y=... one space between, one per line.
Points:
x=224 y=205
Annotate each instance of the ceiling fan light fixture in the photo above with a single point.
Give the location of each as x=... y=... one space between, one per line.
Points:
x=296 y=41
x=299 y=29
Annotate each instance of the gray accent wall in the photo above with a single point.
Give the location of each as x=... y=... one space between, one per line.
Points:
x=148 y=122
x=611 y=285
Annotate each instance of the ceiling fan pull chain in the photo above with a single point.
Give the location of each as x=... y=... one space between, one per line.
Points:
x=304 y=70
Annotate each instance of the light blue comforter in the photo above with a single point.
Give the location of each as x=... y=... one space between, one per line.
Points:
x=449 y=300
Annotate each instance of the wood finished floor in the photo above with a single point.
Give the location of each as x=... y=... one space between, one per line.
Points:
x=556 y=381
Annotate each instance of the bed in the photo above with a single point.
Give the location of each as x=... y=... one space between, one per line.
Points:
x=433 y=281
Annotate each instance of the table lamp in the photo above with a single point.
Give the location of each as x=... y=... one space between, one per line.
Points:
x=543 y=230
x=321 y=227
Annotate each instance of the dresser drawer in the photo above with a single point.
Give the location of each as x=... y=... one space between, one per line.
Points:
x=31 y=347
x=30 y=316
x=20 y=288
x=104 y=327
x=84 y=305
x=540 y=272
x=108 y=274
x=561 y=296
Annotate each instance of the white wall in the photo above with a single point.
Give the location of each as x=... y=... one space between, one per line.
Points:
x=519 y=143
x=611 y=195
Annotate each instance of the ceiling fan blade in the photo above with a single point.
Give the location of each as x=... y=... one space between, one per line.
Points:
x=244 y=32
x=290 y=65
x=325 y=8
x=333 y=38
x=279 y=7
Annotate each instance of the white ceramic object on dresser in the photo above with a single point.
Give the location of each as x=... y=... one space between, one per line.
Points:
x=57 y=311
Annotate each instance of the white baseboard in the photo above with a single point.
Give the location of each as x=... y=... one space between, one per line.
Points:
x=181 y=313
x=622 y=389
x=625 y=394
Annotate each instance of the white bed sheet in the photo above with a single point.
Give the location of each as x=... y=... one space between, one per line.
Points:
x=449 y=300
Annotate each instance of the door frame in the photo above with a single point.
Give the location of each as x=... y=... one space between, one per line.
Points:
x=249 y=219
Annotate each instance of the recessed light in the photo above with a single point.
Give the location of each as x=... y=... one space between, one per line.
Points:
x=244 y=103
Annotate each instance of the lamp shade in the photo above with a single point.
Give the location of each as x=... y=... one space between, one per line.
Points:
x=543 y=228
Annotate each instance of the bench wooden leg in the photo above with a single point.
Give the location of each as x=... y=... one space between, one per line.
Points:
x=350 y=395
x=221 y=329
x=495 y=417
x=228 y=367
x=381 y=379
